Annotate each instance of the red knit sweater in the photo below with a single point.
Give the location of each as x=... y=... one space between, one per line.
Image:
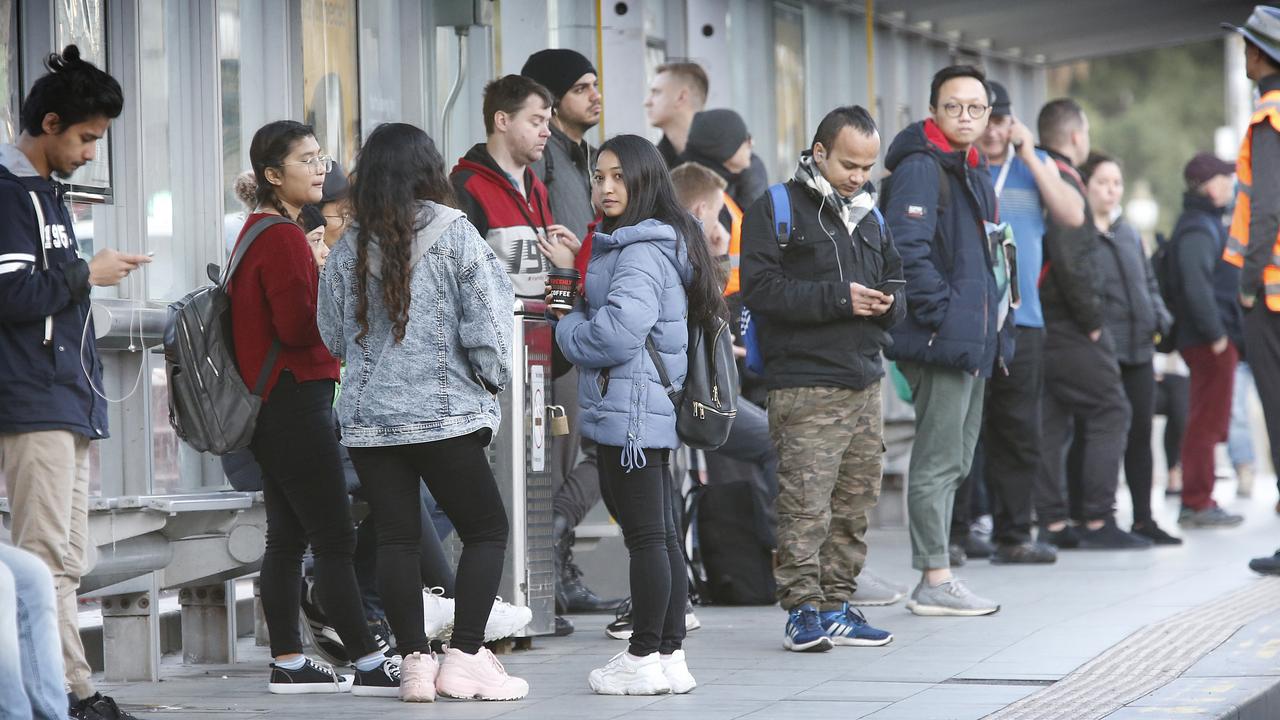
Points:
x=273 y=295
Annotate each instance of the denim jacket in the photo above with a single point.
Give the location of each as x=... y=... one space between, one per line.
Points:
x=635 y=286
x=441 y=380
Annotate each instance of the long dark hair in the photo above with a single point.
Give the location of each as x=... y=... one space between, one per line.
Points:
x=650 y=194
x=271 y=145
x=398 y=166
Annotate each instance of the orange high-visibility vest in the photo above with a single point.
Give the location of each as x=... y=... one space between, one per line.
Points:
x=735 y=246
x=1267 y=110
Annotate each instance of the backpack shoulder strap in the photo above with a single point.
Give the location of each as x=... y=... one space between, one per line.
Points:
x=260 y=226
x=781 y=200
x=944 y=187
x=663 y=378
x=879 y=218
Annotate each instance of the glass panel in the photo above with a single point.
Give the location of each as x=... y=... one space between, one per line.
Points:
x=331 y=100
x=166 y=462
x=83 y=23
x=382 y=61
x=788 y=62
x=9 y=97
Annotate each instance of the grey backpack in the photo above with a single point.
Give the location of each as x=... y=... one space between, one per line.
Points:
x=210 y=407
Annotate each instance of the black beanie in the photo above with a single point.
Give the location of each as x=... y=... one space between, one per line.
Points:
x=557 y=69
x=716 y=134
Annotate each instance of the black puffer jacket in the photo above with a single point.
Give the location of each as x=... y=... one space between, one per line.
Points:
x=799 y=297
x=1069 y=290
x=1133 y=311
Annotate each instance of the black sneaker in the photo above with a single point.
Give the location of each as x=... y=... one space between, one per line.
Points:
x=564 y=626
x=977 y=547
x=620 y=628
x=1152 y=532
x=1266 y=565
x=382 y=681
x=1064 y=539
x=322 y=636
x=98 y=707
x=957 y=555
x=311 y=678
x=382 y=637
x=1027 y=553
x=1111 y=537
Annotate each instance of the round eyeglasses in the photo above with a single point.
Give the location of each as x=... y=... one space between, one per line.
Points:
x=955 y=109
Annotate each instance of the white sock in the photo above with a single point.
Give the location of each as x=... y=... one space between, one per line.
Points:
x=294 y=664
x=369 y=662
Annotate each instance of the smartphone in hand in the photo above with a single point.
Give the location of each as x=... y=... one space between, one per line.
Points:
x=889 y=287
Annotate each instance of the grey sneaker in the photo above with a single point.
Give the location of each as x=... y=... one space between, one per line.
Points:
x=951 y=598
x=874 y=590
x=1210 y=517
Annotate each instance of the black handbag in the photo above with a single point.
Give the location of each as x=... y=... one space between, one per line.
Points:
x=708 y=403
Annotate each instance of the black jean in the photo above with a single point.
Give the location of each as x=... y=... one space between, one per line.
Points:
x=1139 y=465
x=1173 y=401
x=457 y=472
x=1010 y=444
x=1082 y=383
x=1262 y=340
x=307 y=503
x=644 y=500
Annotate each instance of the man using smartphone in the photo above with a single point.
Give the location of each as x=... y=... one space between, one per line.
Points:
x=814 y=250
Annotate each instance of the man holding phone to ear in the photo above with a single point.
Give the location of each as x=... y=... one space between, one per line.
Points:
x=821 y=277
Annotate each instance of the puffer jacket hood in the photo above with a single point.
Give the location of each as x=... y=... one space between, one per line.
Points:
x=432 y=221
x=662 y=235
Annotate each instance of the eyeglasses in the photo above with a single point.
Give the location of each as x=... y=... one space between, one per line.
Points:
x=955 y=109
x=320 y=164
x=343 y=218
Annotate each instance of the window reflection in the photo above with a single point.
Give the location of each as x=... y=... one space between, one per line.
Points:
x=788 y=61
x=9 y=90
x=83 y=23
x=329 y=76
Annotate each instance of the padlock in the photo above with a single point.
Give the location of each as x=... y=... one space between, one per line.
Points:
x=559 y=422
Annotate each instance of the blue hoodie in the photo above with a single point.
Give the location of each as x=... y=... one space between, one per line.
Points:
x=635 y=286
x=44 y=310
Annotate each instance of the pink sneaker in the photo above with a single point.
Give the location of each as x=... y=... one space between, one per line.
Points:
x=418 y=674
x=478 y=676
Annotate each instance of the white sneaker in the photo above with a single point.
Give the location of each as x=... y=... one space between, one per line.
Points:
x=627 y=674
x=691 y=621
x=677 y=672
x=437 y=614
x=506 y=620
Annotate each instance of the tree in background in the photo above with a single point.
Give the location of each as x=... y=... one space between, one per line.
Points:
x=1153 y=110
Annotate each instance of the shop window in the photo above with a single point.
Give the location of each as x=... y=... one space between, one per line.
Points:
x=83 y=23
x=331 y=93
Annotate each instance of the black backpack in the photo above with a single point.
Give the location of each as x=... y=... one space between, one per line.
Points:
x=707 y=405
x=1163 y=267
x=732 y=550
x=210 y=407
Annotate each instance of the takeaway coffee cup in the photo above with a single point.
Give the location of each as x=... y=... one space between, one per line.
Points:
x=564 y=287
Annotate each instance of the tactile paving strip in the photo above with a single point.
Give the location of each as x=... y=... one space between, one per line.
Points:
x=1147 y=659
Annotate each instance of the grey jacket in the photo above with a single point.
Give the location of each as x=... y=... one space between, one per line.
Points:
x=441 y=380
x=565 y=168
x=1132 y=308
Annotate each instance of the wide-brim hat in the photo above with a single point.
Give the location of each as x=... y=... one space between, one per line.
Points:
x=1262 y=29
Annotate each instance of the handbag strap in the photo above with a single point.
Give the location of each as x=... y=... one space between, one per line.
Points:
x=665 y=379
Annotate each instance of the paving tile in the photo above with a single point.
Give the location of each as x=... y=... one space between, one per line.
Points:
x=816 y=710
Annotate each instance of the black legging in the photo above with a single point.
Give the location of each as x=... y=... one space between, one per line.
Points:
x=457 y=472
x=1140 y=387
x=306 y=501
x=1173 y=401
x=644 y=500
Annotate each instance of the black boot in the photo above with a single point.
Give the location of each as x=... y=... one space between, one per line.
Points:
x=572 y=595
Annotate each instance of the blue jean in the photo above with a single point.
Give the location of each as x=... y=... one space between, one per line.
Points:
x=1239 y=437
x=31 y=682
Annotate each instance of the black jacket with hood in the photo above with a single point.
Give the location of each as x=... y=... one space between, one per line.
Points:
x=799 y=296
x=44 y=310
x=1069 y=291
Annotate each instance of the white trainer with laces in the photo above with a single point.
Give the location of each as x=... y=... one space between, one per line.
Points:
x=677 y=672
x=506 y=620
x=627 y=674
x=437 y=613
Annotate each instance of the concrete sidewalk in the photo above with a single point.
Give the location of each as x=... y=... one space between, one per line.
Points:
x=1053 y=620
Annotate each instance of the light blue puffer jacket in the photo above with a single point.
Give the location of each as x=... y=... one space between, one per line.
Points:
x=635 y=286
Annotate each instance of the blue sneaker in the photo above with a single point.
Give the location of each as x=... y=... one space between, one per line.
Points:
x=804 y=631
x=848 y=626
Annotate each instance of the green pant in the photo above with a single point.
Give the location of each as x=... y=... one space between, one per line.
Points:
x=948 y=406
x=829 y=446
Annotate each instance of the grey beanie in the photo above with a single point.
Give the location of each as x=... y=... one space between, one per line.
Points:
x=717 y=134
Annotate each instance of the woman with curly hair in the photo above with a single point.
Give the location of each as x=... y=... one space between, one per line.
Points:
x=418 y=305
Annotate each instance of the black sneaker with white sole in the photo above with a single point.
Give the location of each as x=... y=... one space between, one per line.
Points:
x=322 y=636
x=621 y=628
x=311 y=678
x=382 y=681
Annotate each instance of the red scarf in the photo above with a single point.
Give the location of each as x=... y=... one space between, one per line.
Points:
x=935 y=136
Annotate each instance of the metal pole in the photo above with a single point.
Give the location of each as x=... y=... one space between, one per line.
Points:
x=871 y=59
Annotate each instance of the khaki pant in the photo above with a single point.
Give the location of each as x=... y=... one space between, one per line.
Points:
x=830 y=449
x=48 y=477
